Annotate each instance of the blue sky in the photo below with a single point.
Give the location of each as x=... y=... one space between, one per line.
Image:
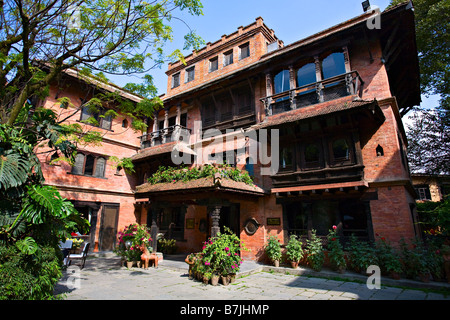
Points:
x=291 y=20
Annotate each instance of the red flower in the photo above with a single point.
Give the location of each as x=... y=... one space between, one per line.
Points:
x=334 y=239
x=334 y=227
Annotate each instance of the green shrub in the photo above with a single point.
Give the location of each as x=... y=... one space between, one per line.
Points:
x=315 y=252
x=294 y=249
x=273 y=248
x=29 y=277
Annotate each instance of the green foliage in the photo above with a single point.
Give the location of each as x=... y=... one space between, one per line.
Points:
x=25 y=276
x=130 y=241
x=123 y=163
x=387 y=257
x=315 y=252
x=221 y=254
x=167 y=246
x=361 y=254
x=173 y=174
x=273 y=248
x=335 y=250
x=294 y=249
x=111 y=37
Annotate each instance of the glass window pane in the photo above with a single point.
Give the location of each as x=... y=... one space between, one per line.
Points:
x=281 y=81
x=333 y=65
x=100 y=167
x=306 y=74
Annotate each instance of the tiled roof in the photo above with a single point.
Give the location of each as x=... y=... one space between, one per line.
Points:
x=342 y=104
x=153 y=151
x=208 y=183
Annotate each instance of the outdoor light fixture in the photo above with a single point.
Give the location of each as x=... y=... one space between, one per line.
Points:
x=366 y=5
x=128 y=244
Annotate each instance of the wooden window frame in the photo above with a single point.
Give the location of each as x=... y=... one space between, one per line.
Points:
x=94 y=170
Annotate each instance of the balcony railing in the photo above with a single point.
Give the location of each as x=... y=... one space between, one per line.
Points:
x=329 y=89
x=169 y=134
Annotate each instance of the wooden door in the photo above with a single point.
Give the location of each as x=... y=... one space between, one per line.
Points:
x=108 y=228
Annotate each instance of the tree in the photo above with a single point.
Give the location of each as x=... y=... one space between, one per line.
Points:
x=429 y=140
x=42 y=38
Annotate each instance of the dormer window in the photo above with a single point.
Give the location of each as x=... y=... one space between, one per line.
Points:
x=228 y=58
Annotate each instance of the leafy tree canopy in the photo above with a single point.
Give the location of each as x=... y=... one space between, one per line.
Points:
x=42 y=38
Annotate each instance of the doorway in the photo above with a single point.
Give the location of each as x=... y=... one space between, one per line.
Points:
x=108 y=228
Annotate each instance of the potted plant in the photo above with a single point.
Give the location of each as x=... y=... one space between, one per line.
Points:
x=393 y=266
x=273 y=250
x=206 y=277
x=294 y=251
x=336 y=252
x=314 y=248
x=215 y=278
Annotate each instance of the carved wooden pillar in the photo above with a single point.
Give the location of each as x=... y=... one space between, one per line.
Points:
x=155 y=128
x=348 y=77
x=269 y=92
x=215 y=217
x=292 y=86
x=178 y=118
x=166 y=124
x=154 y=229
x=319 y=86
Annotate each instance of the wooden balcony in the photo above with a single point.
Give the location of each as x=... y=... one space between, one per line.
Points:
x=326 y=90
x=162 y=136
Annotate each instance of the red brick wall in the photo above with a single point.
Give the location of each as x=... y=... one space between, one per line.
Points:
x=119 y=142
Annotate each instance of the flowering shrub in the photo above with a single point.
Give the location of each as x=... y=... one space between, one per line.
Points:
x=335 y=251
x=221 y=255
x=361 y=254
x=130 y=241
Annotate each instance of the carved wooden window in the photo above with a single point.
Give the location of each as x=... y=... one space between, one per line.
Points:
x=103 y=121
x=89 y=165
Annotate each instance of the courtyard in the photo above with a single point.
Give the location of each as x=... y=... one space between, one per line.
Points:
x=103 y=278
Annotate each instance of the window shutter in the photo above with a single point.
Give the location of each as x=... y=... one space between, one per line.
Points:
x=100 y=167
x=79 y=164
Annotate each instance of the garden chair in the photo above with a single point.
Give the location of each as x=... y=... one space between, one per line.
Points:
x=80 y=256
x=65 y=248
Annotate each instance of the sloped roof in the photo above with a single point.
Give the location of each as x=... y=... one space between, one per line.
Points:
x=202 y=184
x=342 y=104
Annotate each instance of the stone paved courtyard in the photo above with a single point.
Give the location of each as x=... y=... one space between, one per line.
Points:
x=105 y=279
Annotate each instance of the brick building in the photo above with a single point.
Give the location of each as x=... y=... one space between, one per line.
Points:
x=335 y=98
x=103 y=194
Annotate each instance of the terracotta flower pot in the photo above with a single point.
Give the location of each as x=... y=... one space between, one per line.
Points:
x=276 y=263
x=232 y=278
x=215 y=279
x=395 y=275
x=130 y=264
x=224 y=280
x=424 y=277
x=294 y=264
